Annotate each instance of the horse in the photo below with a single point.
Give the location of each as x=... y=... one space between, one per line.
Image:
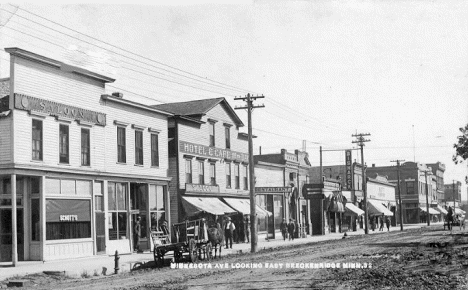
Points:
x=216 y=237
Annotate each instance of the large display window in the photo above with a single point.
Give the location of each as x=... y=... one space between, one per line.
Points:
x=68 y=219
x=117 y=206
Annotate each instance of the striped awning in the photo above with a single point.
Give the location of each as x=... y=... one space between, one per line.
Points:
x=431 y=210
x=351 y=208
x=213 y=205
x=441 y=209
x=377 y=208
x=243 y=206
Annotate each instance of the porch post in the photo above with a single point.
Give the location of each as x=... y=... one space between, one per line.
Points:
x=14 y=228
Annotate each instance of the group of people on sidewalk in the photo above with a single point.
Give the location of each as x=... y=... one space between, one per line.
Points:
x=288 y=229
x=381 y=221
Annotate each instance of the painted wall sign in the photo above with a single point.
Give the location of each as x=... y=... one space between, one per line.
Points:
x=68 y=218
x=272 y=189
x=27 y=103
x=202 y=150
x=190 y=187
x=349 y=175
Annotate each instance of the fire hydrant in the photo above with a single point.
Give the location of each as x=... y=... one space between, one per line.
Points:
x=116 y=262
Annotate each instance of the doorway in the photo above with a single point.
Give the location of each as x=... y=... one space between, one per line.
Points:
x=6 y=237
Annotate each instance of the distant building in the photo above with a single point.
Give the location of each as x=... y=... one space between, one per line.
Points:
x=453 y=192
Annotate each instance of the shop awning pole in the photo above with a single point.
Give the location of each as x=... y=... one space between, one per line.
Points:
x=14 y=229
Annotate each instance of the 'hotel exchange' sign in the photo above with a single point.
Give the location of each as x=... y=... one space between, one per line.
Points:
x=27 y=103
x=202 y=150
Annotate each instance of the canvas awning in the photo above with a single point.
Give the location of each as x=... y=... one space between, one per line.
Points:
x=459 y=211
x=243 y=206
x=377 y=208
x=431 y=210
x=211 y=205
x=351 y=208
x=441 y=209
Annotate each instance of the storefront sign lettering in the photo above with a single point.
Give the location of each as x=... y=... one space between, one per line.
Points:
x=272 y=189
x=189 y=187
x=68 y=218
x=202 y=150
x=27 y=103
x=349 y=176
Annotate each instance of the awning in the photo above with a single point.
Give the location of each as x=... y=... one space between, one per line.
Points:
x=207 y=204
x=243 y=206
x=459 y=211
x=354 y=209
x=431 y=210
x=377 y=208
x=441 y=209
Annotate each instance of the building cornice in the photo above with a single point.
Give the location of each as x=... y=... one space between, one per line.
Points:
x=134 y=104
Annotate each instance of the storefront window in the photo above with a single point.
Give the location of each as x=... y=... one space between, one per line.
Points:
x=261 y=220
x=157 y=206
x=278 y=210
x=5 y=226
x=68 y=219
x=117 y=205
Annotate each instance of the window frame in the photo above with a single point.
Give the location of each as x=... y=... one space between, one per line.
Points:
x=236 y=176
x=228 y=176
x=246 y=177
x=121 y=148
x=188 y=175
x=412 y=187
x=154 y=139
x=64 y=144
x=212 y=173
x=227 y=133
x=37 y=154
x=139 y=157
x=212 y=134
x=201 y=172
x=86 y=148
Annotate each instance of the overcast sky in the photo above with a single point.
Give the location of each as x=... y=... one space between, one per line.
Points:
x=328 y=69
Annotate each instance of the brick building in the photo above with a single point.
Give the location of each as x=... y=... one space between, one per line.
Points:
x=80 y=164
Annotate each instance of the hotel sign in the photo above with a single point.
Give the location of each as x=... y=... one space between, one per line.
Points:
x=349 y=175
x=272 y=189
x=190 y=187
x=202 y=150
x=27 y=103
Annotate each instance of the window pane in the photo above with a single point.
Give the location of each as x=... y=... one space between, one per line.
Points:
x=36 y=139
x=121 y=150
x=85 y=147
x=111 y=198
x=152 y=197
x=122 y=221
x=139 y=147
x=157 y=219
x=63 y=142
x=160 y=202
x=154 y=150
x=35 y=220
x=52 y=186
x=121 y=196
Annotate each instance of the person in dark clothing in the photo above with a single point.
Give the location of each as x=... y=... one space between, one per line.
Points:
x=373 y=223
x=387 y=222
x=449 y=218
x=284 y=229
x=228 y=232
x=247 y=229
x=137 y=235
x=291 y=229
x=381 y=220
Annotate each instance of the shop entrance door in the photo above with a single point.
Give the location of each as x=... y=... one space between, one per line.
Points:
x=99 y=218
x=271 y=218
x=6 y=237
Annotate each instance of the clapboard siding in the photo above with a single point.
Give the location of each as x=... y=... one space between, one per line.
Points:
x=269 y=176
x=5 y=140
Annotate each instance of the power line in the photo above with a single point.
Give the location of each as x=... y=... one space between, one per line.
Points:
x=122 y=49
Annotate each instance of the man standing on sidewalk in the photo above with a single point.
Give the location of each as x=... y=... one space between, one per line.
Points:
x=137 y=235
x=284 y=229
x=228 y=232
x=291 y=229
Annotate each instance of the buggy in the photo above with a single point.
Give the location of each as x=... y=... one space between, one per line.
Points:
x=191 y=242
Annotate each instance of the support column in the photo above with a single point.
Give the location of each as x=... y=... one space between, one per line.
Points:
x=42 y=212
x=14 y=228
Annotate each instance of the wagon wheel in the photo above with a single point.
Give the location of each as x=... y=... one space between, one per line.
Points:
x=209 y=251
x=159 y=257
x=193 y=251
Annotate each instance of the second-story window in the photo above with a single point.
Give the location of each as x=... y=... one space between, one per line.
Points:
x=188 y=171
x=236 y=176
x=85 y=147
x=410 y=187
x=121 y=145
x=63 y=144
x=138 y=147
x=154 y=150
x=228 y=175
x=227 y=131
x=212 y=173
x=212 y=133
x=201 y=172
x=36 y=139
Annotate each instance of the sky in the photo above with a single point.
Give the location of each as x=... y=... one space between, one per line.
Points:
x=327 y=69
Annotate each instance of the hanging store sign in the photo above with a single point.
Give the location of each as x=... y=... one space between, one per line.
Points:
x=349 y=175
x=27 y=103
x=202 y=150
x=277 y=189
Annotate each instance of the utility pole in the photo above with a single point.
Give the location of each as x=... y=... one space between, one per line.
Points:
x=453 y=194
x=360 y=140
x=253 y=217
x=427 y=199
x=400 y=212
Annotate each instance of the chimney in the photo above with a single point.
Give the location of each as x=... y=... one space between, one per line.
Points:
x=118 y=95
x=260 y=150
x=373 y=164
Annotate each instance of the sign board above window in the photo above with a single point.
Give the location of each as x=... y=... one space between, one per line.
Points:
x=202 y=150
x=27 y=103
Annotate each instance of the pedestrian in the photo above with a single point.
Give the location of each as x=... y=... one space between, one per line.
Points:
x=291 y=229
x=247 y=229
x=449 y=218
x=387 y=222
x=373 y=223
x=284 y=229
x=381 y=220
x=137 y=235
x=228 y=232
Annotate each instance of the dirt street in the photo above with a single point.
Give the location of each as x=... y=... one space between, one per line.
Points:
x=426 y=258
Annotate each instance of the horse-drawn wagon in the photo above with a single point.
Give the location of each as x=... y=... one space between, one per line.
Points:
x=191 y=243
